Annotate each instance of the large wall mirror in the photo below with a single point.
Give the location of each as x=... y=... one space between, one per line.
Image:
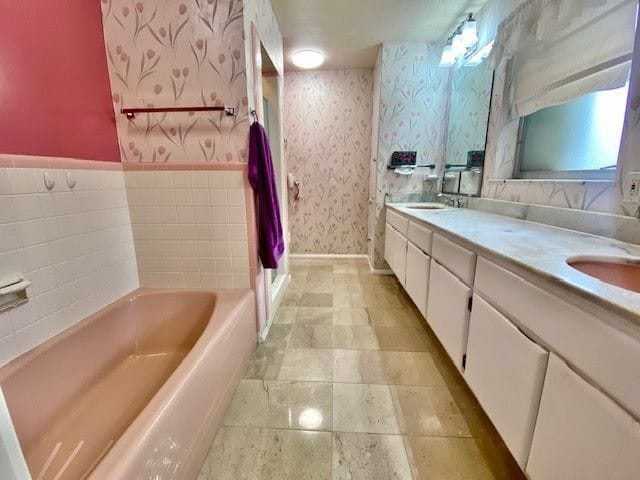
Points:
x=469 y=105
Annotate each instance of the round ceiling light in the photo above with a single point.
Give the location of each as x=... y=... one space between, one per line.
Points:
x=307 y=59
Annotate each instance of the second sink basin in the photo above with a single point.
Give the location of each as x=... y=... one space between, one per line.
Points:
x=619 y=271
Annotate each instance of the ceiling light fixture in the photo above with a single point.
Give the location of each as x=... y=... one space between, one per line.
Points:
x=307 y=59
x=461 y=42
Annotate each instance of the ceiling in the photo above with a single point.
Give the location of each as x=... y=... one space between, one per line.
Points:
x=349 y=32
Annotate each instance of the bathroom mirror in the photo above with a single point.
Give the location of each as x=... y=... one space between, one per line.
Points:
x=469 y=105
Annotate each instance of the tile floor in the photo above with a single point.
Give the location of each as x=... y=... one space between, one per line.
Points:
x=351 y=384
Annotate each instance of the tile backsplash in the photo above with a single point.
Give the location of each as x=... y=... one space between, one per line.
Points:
x=74 y=245
x=190 y=228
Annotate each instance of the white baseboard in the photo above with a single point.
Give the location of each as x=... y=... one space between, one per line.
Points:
x=327 y=255
x=376 y=270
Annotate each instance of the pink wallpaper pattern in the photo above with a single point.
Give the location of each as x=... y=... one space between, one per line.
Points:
x=178 y=53
x=413 y=109
x=328 y=130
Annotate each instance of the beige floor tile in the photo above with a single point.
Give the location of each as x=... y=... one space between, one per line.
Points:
x=385 y=300
x=308 y=299
x=351 y=316
x=266 y=454
x=285 y=315
x=411 y=368
x=352 y=268
x=358 y=366
x=479 y=424
x=345 y=279
x=291 y=298
x=318 y=287
x=315 y=315
x=369 y=456
x=278 y=336
x=363 y=408
x=390 y=368
x=402 y=339
x=355 y=338
x=307 y=364
x=428 y=410
x=294 y=455
x=347 y=299
x=311 y=336
x=265 y=363
x=446 y=458
x=278 y=404
x=394 y=317
x=320 y=275
x=499 y=460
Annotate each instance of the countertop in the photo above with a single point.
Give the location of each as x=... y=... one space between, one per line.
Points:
x=538 y=249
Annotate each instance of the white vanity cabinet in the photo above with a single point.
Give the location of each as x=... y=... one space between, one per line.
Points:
x=448 y=311
x=388 y=244
x=399 y=256
x=505 y=370
x=417 y=276
x=580 y=432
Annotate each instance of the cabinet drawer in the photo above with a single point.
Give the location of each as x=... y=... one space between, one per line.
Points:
x=417 y=278
x=420 y=236
x=505 y=370
x=388 y=244
x=448 y=311
x=398 y=222
x=581 y=433
x=579 y=337
x=458 y=260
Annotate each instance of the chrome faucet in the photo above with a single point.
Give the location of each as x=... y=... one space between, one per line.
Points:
x=448 y=200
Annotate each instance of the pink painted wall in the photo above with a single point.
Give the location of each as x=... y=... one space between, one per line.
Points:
x=55 y=98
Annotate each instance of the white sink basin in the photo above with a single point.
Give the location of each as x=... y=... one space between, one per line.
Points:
x=426 y=206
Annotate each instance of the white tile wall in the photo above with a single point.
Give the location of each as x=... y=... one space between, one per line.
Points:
x=74 y=245
x=190 y=228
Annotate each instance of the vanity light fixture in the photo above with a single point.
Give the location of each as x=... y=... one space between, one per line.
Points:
x=307 y=59
x=448 y=58
x=478 y=57
x=470 y=32
x=463 y=40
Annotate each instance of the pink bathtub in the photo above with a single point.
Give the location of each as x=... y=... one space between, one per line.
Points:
x=136 y=391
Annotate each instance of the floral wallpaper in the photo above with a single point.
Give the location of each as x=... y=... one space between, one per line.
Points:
x=470 y=94
x=328 y=130
x=413 y=109
x=178 y=53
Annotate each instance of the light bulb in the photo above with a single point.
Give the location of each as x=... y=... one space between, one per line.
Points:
x=470 y=33
x=448 y=58
x=457 y=44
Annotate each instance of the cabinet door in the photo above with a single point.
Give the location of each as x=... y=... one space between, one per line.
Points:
x=388 y=244
x=399 y=256
x=417 y=277
x=580 y=432
x=505 y=370
x=448 y=311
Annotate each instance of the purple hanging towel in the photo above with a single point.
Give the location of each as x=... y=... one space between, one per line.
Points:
x=263 y=182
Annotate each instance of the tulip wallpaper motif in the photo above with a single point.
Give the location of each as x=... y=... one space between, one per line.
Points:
x=414 y=94
x=328 y=130
x=178 y=53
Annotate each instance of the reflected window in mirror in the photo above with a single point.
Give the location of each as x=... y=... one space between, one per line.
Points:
x=579 y=139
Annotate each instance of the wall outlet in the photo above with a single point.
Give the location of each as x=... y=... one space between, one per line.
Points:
x=631 y=193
